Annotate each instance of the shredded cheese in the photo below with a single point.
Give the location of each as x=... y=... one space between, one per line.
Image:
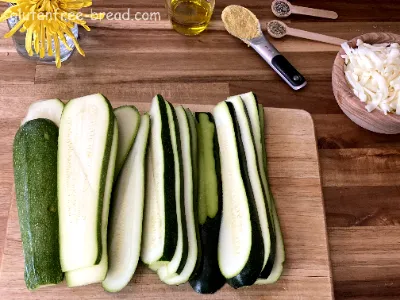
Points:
x=373 y=72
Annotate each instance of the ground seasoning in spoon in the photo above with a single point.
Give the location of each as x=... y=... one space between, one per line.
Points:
x=240 y=22
x=276 y=29
x=280 y=8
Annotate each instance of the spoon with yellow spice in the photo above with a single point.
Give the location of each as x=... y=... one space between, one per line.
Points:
x=243 y=24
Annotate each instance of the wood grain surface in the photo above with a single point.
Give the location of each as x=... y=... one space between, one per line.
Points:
x=360 y=170
x=296 y=185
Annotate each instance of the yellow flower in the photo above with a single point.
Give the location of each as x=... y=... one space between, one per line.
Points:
x=47 y=22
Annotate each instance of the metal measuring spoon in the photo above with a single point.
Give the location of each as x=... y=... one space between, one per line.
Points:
x=276 y=60
x=278 y=29
x=283 y=9
x=271 y=55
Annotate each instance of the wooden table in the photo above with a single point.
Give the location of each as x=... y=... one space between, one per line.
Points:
x=360 y=170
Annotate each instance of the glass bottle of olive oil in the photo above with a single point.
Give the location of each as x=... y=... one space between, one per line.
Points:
x=190 y=17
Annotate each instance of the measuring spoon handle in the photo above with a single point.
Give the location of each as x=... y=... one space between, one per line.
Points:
x=321 y=13
x=314 y=36
x=278 y=62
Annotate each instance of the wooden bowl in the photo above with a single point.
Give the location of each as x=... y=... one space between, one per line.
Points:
x=350 y=104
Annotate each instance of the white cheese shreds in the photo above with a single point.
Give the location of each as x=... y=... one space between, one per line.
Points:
x=373 y=72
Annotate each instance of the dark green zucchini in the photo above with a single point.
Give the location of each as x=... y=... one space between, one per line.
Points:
x=241 y=245
x=35 y=152
x=208 y=278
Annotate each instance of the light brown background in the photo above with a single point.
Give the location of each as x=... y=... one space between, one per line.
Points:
x=360 y=170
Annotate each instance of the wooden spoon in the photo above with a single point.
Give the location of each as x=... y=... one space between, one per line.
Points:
x=278 y=29
x=283 y=9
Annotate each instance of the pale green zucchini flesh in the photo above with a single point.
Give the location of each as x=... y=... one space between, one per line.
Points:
x=208 y=185
x=47 y=109
x=126 y=216
x=128 y=118
x=84 y=145
x=97 y=273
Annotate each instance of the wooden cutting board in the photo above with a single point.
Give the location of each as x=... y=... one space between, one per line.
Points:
x=295 y=181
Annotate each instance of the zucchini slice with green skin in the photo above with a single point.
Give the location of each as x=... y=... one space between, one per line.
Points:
x=35 y=152
x=271 y=275
x=126 y=216
x=208 y=278
x=160 y=226
x=244 y=121
x=128 y=118
x=47 y=109
x=194 y=147
x=250 y=101
x=241 y=245
x=166 y=269
x=84 y=145
x=189 y=208
x=257 y=129
x=208 y=183
x=97 y=273
x=262 y=126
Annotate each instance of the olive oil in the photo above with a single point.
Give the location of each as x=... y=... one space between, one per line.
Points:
x=190 y=17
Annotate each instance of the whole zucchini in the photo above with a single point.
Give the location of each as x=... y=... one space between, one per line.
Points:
x=35 y=173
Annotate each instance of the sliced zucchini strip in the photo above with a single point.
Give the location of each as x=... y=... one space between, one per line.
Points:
x=45 y=109
x=240 y=247
x=246 y=134
x=160 y=226
x=208 y=279
x=97 y=273
x=271 y=274
x=189 y=208
x=167 y=269
x=128 y=118
x=84 y=146
x=126 y=214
